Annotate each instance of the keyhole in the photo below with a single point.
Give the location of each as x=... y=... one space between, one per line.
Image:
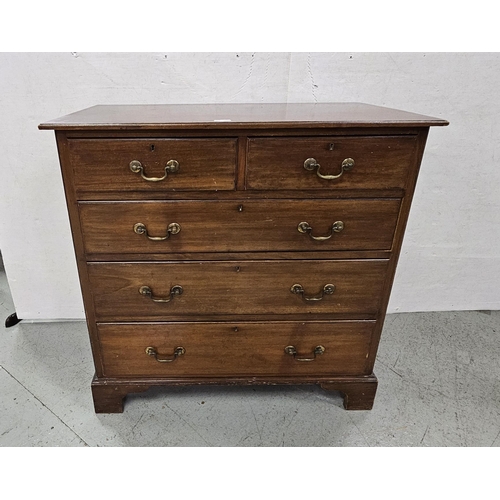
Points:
x=240 y=208
x=330 y=146
x=235 y=328
x=238 y=268
x=152 y=147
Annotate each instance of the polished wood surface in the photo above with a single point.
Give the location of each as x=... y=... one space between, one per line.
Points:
x=227 y=226
x=380 y=162
x=235 y=349
x=358 y=391
x=235 y=288
x=358 y=394
x=239 y=195
x=102 y=165
x=234 y=116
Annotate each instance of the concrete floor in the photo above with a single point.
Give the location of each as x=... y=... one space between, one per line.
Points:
x=439 y=385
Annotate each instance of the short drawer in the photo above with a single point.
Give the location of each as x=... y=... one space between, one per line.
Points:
x=223 y=349
x=102 y=165
x=329 y=162
x=170 y=290
x=157 y=227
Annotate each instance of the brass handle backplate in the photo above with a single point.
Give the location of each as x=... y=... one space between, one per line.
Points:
x=310 y=164
x=147 y=292
x=290 y=349
x=178 y=351
x=172 y=228
x=171 y=167
x=304 y=227
x=299 y=290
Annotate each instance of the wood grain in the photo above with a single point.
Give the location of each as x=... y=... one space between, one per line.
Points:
x=235 y=116
x=358 y=394
x=102 y=165
x=72 y=205
x=398 y=240
x=235 y=349
x=358 y=391
x=108 y=398
x=247 y=226
x=239 y=287
x=239 y=195
x=380 y=162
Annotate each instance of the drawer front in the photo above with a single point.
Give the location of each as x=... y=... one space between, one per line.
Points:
x=235 y=288
x=223 y=349
x=379 y=162
x=229 y=226
x=103 y=165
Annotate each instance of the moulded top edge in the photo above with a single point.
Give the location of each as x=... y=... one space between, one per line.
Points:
x=238 y=116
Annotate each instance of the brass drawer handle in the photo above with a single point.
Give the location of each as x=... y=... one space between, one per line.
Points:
x=179 y=351
x=147 y=292
x=304 y=228
x=318 y=350
x=310 y=164
x=172 y=228
x=171 y=167
x=299 y=290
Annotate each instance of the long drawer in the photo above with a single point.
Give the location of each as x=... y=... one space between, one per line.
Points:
x=228 y=226
x=170 y=290
x=104 y=165
x=219 y=349
x=370 y=162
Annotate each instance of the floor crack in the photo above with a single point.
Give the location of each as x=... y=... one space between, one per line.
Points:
x=496 y=437
x=187 y=423
x=45 y=406
x=425 y=433
x=359 y=430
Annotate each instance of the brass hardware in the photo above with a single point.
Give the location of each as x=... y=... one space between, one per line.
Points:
x=147 y=292
x=310 y=164
x=299 y=290
x=178 y=351
x=304 y=228
x=172 y=228
x=318 y=350
x=171 y=167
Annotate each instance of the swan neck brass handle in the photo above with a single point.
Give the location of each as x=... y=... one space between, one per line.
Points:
x=305 y=227
x=292 y=351
x=146 y=291
x=172 y=228
x=178 y=351
x=171 y=167
x=310 y=164
x=299 y=290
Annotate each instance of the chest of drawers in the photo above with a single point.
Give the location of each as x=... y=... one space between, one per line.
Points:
x=237 y=244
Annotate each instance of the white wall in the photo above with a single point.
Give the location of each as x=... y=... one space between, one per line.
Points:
x=450 y=258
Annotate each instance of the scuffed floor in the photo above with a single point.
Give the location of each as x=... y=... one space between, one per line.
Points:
x=439 y=385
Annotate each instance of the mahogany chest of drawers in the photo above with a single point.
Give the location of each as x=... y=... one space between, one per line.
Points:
x=237 y=244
